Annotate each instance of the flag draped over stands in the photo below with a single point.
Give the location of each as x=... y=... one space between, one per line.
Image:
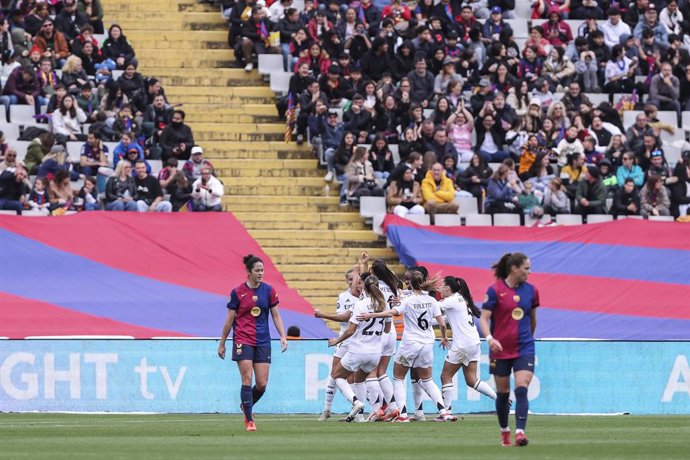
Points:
x=623 y=280
x=139 y=275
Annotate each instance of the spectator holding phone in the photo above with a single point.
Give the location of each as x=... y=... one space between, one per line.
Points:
x=207 y=192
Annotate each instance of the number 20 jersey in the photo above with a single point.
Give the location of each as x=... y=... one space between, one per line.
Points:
x=417 y=311
x=367 y=337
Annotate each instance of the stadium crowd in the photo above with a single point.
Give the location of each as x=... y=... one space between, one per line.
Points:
x=427 y=101
x=81 y=85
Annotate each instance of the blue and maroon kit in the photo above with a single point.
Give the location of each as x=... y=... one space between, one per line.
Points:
x=511 y=322
x=251 y=336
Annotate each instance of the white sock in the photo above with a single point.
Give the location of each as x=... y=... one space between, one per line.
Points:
x=418 y=396
x=434 y=392
x=330 y=394
x=360 y=390
x=373 y=393
x=345 y=389
x=447 y=391
x=400 y=390
x=485 y=389
x=387 y=390
x=519 y=430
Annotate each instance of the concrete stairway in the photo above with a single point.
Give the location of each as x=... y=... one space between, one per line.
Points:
x=274 y=188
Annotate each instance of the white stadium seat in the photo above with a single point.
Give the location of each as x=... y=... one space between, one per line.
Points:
x=478 y=220
x=369 y=206
x=280 y=82
x=506 y=220
x=447 y=220
x=569 y=219
x=599 y=218
x=421 y=219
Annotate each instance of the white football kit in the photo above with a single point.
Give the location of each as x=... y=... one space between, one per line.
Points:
x=344 y=303
x=416 y=346
x=364 y=349
x=389 y=339
x=465 y=347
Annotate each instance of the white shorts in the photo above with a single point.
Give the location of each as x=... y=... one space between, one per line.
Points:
x=341 y=349
x=365 y=362
x=389 y=342
x=463 y=356
x=415 y=354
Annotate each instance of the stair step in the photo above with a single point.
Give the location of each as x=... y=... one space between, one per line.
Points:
x=128 y=16
x=303 y=217
x=352 y=253
x=183 y=54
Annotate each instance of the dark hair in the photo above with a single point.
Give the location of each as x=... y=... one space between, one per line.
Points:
x=180 y=112
x=250 y=260
x=506 y=262
x=418 y=282
x=294 y=331
x=60 y=175
x=458 y=285
x=90 y=179
x=72 y=110
x=382 y=272
x=371 y=287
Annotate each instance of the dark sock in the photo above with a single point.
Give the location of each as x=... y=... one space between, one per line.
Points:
x=256 y=394
x=502 y=408
x=521 y=407
x=246 y=398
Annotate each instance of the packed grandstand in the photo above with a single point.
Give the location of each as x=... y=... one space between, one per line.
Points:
x=497 y=107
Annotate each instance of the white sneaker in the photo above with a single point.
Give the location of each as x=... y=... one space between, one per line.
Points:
x=357 y=406
x=329 y=176
x=418 y=417
x=359 y=418
x=249 y=67
x=325 y=415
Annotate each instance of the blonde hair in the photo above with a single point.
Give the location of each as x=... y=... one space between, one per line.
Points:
x=71 y=64
x=120 y=166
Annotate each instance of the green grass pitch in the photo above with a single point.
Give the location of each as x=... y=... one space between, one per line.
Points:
x=68 y=436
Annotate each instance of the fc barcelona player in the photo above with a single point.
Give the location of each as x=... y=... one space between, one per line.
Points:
x=508 y=322
x=248 y=309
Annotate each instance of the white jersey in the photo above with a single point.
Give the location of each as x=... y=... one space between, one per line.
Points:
x=460 y=320
x=367 y=337
x=345 y=303
x=418 y=310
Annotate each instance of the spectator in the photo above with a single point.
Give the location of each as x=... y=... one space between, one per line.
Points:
x=360 y=176
x=414 y=161
x=38 y=198
x=460 y=126
x=180 y=191
x=556 y=200
x=47 y=77
x=331 y=132
x=500 y=193
x=608 y=177
x=441 y=148
x=70 y=21
x=34 y=21
x=255 y=38
x=404 y=195
x=117 y=48
x=148 y=191
x=37 y=150
x=176 y=140
x=94 y=155
x=654 y=199
x=124 y=146
x=67 y=121
x=157 y=116
x=13 y=189
x=422 y=83
x=650 y=21
x=664 y=90
x=475 y=178
x=630 y=170
x=192 y=168
x=657 y=166
x=22 y=87
x=207 y=192
x=438 y=192
x=381 y=158
x=614 y=28
x=51 y=43
x=680 y=189
x=557 y=69
x=590 y=197
x=358 y=120
x=167 y=174
x=73 y=74
x=120 y=190
x=88 y=102
x=626 y=200
x=615 y=151
x=144 y=97
x=87 y=198
x=60 y=192
x=318 y=26
x=377 y=60
x=643 y=153
x=94 y=11
x=635 y=134
x=56 y=99
x=308 y=103
x=489 y=140
x=337 y=89
x=130 y=81
x=55 y=161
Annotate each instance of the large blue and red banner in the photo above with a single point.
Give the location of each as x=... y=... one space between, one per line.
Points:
x=622 y=280
x=130 y=274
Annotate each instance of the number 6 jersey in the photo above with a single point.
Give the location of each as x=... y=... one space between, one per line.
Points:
x=418 y=311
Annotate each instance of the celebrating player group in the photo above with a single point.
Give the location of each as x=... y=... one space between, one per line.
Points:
x=367 y=341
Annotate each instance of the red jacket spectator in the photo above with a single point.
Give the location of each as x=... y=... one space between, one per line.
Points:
x=313 y=29
x=556 y=30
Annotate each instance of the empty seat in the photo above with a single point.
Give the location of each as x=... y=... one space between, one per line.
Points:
x=478 y=220
x=506 y=220
x=597 y=98
x=156 y=166
x=74 y=150
x=467 y=205
x=523 y=10
x=22 y=114
x=678 y=135
x=369 y=206
x=116 y=74
x=629 y=217
x=599 y=218
x=672 y=154
x=686 y=120
x=447 y=220
x=269 y=63
x=574 y=25
x=661 y=218
x=569 y=219
x=20 y=147
x=396 y=153
x=10 y=130
x=668 y=117
x=520 y=27
x=421 y=219
x=280 y=82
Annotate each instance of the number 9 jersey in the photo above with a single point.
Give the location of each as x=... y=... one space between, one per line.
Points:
x=461 y=321
x=367 y=337
x=418 y=310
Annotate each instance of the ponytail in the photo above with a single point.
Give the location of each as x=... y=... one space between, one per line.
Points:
x=506 y=262
x=418 y=282
x=371 y=287
x=459 y=286
x=250 y=260
x=383 y=273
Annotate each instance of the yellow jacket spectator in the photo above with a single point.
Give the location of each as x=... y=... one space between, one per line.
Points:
x=438 y=192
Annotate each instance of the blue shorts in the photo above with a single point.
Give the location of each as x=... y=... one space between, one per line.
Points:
x=256 y=354
x=503 y=367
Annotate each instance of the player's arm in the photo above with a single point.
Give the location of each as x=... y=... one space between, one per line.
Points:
x=278 y=322
x=226 y=331
x=533 y=320
x=494 y=344
x=339 y=317
x=444 y=330
x=349 y=332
